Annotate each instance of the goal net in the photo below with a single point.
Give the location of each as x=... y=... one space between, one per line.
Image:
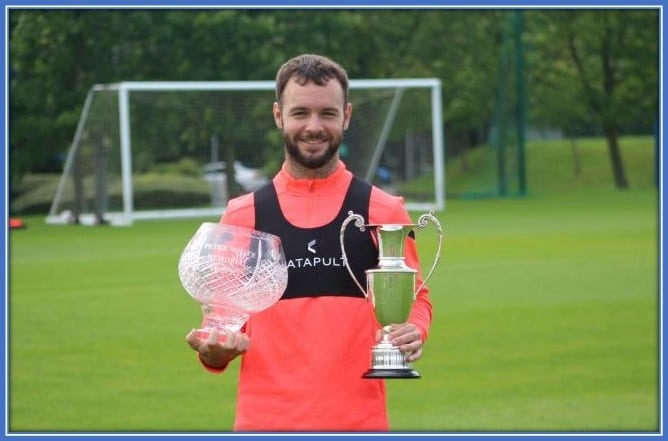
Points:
x=158 y=150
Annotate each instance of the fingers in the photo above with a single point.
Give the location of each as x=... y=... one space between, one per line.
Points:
x=414 y=356
x=212 y=340
x=408 y=339
x=192 y=340
x=217 y=351
x=237 y=342
x=231 y=342
x=405 y=334
x=204 y=347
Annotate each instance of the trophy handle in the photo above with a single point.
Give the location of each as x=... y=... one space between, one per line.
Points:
x=422 y=223
x=359 y=223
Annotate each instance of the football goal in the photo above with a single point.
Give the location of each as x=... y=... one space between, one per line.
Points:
x=158 y=150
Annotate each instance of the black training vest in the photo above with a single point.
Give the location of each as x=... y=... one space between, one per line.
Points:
x=315 y=262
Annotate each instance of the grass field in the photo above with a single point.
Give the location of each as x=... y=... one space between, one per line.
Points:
x=546 y=319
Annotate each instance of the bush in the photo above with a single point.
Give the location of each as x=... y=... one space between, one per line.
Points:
x=183 y=167
x=36 y=192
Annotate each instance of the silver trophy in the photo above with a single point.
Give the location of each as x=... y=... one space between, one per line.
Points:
x=232 y=272
x=391 y=288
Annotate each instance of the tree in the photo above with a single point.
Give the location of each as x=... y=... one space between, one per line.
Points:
x=588 y=68
x=602 y=61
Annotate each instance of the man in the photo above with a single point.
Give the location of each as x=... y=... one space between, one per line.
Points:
x=303 y=358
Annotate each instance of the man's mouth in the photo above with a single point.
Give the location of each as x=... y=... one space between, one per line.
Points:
x=314 y=143
x=314 y=140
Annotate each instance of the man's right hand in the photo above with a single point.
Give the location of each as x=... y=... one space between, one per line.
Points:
x=215 y=354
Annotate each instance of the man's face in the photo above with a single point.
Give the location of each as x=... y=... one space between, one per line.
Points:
x=312 y=119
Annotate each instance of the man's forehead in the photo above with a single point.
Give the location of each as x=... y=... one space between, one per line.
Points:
x=331 y=88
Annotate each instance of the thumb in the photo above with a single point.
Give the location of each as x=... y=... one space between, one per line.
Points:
x=192 y=340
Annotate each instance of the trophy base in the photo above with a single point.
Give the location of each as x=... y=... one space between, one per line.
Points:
x=391 y=373
x=388 y=362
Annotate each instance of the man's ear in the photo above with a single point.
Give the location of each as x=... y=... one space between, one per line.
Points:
x=278 y=117
x=347 y=113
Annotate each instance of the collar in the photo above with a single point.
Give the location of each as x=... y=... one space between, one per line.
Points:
x=334 y=183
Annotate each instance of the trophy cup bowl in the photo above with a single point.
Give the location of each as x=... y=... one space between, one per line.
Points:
x=391 y=288
x=232 y=272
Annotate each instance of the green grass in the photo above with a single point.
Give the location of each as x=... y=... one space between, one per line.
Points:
x=559 y=165
x=545 y=319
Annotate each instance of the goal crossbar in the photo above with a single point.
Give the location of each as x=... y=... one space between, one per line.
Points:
x=124 y=89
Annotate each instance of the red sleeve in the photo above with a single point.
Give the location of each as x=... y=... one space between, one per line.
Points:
x=240 y=211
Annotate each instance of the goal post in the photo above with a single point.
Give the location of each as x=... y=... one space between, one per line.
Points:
x=158 y=150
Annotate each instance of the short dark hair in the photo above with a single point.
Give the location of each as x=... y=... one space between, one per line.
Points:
x=307 y=68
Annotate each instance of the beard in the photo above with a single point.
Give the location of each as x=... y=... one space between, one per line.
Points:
x=311 y=162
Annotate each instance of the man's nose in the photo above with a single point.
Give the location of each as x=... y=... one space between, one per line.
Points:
x=314 y=123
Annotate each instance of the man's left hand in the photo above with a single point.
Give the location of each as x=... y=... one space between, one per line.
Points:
x=407 y=338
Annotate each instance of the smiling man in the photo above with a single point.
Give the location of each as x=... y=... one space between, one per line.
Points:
x=313 y=115
x=303 y=358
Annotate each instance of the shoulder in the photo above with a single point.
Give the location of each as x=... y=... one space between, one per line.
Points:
x=385 y=207
x=240 y=211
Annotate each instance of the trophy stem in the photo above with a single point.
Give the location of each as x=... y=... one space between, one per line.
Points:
x=387 y=361
x=222 y=320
